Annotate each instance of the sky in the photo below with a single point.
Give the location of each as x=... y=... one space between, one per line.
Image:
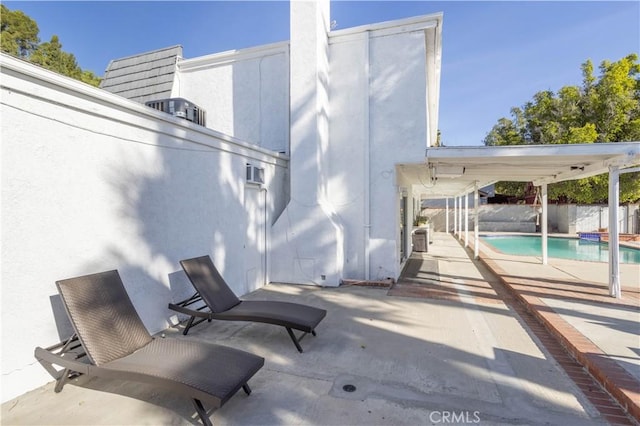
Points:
x=495 y=54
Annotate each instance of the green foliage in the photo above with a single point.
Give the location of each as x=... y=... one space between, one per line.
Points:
x=605 y=109
x=19 y=33
x=19 y=38
x=439 y=139
x=90 y=78
x=50 y=55
x=514 y=189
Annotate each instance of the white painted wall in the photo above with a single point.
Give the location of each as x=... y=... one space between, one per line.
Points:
x=378 y=119
x=93 y=182
x=398 y=135
x=245 y=93
x=347 y=163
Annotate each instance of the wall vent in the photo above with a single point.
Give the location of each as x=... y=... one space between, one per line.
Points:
x=179 y=107
x=255 y=174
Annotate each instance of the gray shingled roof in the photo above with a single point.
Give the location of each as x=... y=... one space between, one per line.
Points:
x=144 y=77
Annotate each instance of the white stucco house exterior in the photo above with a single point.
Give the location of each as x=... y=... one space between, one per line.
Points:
x=346 y=106
x=94 y=180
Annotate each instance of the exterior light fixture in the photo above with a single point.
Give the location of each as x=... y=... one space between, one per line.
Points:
x=447 y=171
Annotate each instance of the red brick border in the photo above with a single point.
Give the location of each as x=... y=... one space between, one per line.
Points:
x=620 y=385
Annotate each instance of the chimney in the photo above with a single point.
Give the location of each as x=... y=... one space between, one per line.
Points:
x=307 y=238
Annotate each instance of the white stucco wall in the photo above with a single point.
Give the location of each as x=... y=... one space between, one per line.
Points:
x=93 y=182
x=245 y=93
x=398 y=135
x=348 y=159
x=377 y=120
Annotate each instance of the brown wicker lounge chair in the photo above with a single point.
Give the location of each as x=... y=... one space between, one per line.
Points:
x=111 y=341
x=222 y=304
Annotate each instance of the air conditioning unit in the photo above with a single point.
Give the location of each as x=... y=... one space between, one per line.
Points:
x=179 y=107
x=255 y=174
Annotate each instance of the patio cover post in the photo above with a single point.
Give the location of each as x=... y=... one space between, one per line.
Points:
x=455 y=215
x=614 y=243
x=545 y=241
x=446 y=215
x=466 y=219
x=409 y=209
x=476 y=219
x=460 y=218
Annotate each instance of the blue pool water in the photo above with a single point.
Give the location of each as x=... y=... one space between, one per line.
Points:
x=564 y=248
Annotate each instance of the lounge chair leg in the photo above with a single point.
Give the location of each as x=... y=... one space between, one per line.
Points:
x=188 y=326
x=201 y=412
x=192 y=322
x=295 y=340
x=61 y=381
x=246 y=389
x=313 y=332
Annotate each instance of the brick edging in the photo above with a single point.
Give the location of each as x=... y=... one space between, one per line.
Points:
x=584 y=351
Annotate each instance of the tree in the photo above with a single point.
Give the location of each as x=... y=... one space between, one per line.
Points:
x=19 y=37
x=50 y=55
x=19 y=33
x=604 y=109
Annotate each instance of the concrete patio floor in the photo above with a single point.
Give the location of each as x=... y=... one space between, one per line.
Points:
x=444 y=345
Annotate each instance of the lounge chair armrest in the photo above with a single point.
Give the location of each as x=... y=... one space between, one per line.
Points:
x=48 y=359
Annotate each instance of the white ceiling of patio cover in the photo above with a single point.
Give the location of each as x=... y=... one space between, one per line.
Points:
x=525 y=163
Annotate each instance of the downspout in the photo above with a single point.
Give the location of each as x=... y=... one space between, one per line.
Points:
x=267 y=238
x=367 y=166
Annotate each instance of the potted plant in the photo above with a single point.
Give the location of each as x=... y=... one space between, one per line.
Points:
x=420 y=220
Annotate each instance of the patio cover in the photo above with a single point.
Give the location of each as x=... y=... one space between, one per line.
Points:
x=456 y=171
x=485 y=165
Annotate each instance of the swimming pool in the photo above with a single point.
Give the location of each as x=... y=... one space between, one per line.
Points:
x=564 y=248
